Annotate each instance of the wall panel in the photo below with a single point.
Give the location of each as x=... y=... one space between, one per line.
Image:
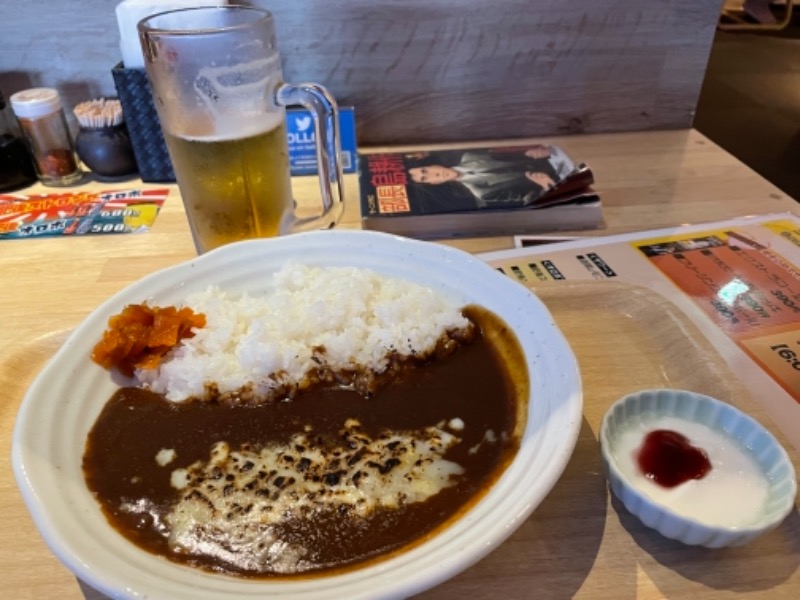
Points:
x=428 y=70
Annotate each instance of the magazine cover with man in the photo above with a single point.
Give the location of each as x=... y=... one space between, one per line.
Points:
x=483 y=181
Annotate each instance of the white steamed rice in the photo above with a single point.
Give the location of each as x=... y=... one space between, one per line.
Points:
x=261 y=343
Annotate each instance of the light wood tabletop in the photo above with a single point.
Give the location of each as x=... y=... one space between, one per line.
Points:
x=580 y=542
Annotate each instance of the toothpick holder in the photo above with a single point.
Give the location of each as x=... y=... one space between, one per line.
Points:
x=107 y=151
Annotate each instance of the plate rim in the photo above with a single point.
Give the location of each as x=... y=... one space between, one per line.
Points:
x=425 y=578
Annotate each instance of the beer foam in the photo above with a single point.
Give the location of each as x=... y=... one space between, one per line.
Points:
x=235 y=96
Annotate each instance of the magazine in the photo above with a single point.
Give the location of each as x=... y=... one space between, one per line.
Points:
x=458 y=192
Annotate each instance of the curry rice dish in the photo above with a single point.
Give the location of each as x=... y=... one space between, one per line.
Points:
x=346 y=463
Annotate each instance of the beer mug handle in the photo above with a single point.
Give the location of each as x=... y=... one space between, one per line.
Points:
x=322 y=106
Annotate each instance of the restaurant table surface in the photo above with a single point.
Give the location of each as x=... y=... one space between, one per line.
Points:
x=580 y=542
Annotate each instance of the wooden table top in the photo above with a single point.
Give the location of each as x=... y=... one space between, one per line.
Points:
x=580 y=542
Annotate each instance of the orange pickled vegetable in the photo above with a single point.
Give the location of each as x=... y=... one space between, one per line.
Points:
x=141 y=335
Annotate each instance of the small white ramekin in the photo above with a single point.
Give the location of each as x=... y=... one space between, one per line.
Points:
x=752 y=438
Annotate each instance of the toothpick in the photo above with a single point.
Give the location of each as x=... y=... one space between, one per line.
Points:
x=101 y=112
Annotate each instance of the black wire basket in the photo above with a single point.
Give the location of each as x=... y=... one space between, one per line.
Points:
x=144 y=128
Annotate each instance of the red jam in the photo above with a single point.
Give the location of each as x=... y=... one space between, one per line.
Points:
x=668 y=459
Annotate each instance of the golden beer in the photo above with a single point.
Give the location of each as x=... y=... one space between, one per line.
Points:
x=234 y=189
x=216 y=78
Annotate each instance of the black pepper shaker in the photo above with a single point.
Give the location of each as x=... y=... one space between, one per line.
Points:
x=44 y=127
x=16 y=167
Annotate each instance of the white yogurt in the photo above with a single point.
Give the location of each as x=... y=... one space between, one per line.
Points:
x=732 y=494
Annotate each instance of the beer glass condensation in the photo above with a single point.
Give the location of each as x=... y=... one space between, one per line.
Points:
x=219 y=92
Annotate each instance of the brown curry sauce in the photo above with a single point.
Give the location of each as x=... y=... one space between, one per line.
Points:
x=484 y=384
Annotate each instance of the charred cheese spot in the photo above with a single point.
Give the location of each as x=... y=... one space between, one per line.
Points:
x=240 y=495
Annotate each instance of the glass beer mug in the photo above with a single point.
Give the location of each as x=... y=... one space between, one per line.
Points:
x=220 y=96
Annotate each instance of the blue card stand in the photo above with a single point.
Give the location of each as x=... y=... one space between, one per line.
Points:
x=303 y=146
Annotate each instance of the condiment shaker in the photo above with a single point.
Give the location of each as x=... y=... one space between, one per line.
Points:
x=16 y=168
x=44 y=127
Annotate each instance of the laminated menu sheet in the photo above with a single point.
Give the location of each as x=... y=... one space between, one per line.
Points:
x=737 y=280
x=75 y=213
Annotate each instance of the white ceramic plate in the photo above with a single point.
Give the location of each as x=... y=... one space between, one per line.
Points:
x=65 y=399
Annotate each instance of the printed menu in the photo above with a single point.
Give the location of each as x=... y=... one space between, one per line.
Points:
x=737 y=280
x=79 y=213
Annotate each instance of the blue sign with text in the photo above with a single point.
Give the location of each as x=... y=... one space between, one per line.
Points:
x=303 y=146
